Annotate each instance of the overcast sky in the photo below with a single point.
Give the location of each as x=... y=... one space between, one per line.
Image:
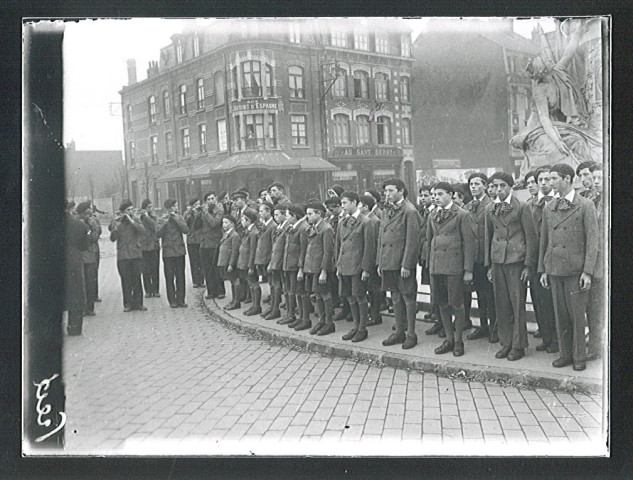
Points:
x=95 y=55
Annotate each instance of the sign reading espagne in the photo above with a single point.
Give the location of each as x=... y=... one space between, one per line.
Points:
x=255 y=104
x=362 y=152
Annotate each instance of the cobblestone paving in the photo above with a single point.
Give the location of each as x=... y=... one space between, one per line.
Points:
x=177 y=375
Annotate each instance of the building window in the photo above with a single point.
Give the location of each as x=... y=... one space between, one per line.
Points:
x=251 y=79
x=268 y=81
x=406 y=131
x=183 y=99
x=158 y=195
x=298 y=125
x=404 y=89
x=132 y=151
x=202 y=137
x=361 y=41
x=339 y=39
x=152 y=109
x=405 y=46
x=154 y=149
x=272 y=131
x=235 y=83
x=381 y=83
x=169 y=146
x=186 y=142
x=362 y=129
x=196 y=45
x=384 y=131
x=382 y=43
x=295 y=33
x=129 y=117
x=295 y=79
x=238 y=133
x=512 y=64
x=339 y=89
x=218 y=82
x=200 y=93
x=222 y=142
x=166 y=104
x=178 y=51
x=361 y=82
x=341 y=129
x=254 y=131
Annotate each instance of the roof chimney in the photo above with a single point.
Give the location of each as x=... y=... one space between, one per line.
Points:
x=131 y=71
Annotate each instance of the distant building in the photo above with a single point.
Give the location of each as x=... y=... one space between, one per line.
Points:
x=471 y=95
x=249 y=102
x=92 y=173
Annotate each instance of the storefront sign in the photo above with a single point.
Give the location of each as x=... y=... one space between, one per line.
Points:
x=447 y=163
x=255 y=104
x=363 y=152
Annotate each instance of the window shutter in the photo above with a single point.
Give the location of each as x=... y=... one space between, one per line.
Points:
x=350 y=85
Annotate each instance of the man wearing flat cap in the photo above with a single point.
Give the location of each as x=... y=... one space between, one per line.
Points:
x=170 y=229
x=90 y=255
x=398 y=246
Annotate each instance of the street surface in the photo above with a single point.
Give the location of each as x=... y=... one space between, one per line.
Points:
x=175 y=381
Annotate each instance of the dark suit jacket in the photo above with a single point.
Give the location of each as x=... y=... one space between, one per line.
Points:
x=264 y=243
x=150 y=240
x=128 y=237
x=375 y=223
x=355 y=246
x=451 y=244
x=319 y=254
x=91 y=254
x=211 y=231
x=511 y=238
x=248 y=248
x=479 y=217
x=569 y=239
x=296 y=244
x=194 y=226
x=279 y=235
x=76 y=242
x=399 y=239
x=170 y=230
x=229 y=249
x=422 y=249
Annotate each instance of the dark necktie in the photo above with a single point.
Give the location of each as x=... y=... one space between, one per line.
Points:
x=441 y=215
x=502 y=208
x=543 y=200
x=474 y=205
x=350 y=221
x=393 y=209
x=312 y=231
x=562 y=204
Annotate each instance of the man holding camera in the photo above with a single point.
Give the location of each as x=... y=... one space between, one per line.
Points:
x=170 y=228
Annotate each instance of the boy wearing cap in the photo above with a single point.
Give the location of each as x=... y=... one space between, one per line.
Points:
x=366 y=205
x=296 y=244
x=246 y=260
x=398 y=247
x=334 y=215
x=192 y=216
x=450 y=236
x=170 y=229
x=355 y=254
x=128 y=231
x=151 y=250
x=511 y=249
x=84 y=213
x=316 y=268
x=76 y=242
x=210 y=235
x=567 y=261
x=275 y=266
x=228 y=253
x=278 y=194
x=477 y=183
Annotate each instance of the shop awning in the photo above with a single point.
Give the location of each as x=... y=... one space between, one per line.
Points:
x=179 y=173
x=316 y=164
x=258 y=161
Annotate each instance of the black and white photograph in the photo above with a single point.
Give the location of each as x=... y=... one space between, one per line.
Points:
x=315 y=236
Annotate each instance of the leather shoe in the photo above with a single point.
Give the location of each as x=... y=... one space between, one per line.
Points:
x=254 y=311
x=303 y=325
x=233 y=306
x=248 y=311
x=286 y=320
x=157 y=295
x=361 y=335
x=542 y=347
x=91 y=313
x=316 y=328
x=210 y=297
x=516 y=354
x=503 y=353
x=326 y=329
x=447 y=346
x=434 y=329
x=220 y=297
x=552 y=347
x=127 y=309
x=458 y=350
x=149 y=295
x=265 y=312
x=579 y=366
x=349 y=335
x=142 y=308
x=173 y=305
x=562 y=362
x=295 y=323
x=394 y=338
x=183 y=305
x=410 y=342
x=479 y=332
x=273 y=316
x=538 y=334
x=372 y=322
x=98 y=300
x=593 y=356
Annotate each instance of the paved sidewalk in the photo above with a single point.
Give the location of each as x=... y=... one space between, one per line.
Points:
x=179 y=382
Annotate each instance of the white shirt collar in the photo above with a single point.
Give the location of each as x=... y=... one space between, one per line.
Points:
x=268 y=222
x=229 y=230
x=283 y=224
x=373 y=209
x=481 y=197
x=507 y=200
x=399 y=202
x=355 y=215
x=432 y=207
x=569 y=196
x=250 y=227
x=448 y=207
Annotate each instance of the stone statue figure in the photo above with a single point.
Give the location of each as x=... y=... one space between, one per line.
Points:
x=557 y=129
